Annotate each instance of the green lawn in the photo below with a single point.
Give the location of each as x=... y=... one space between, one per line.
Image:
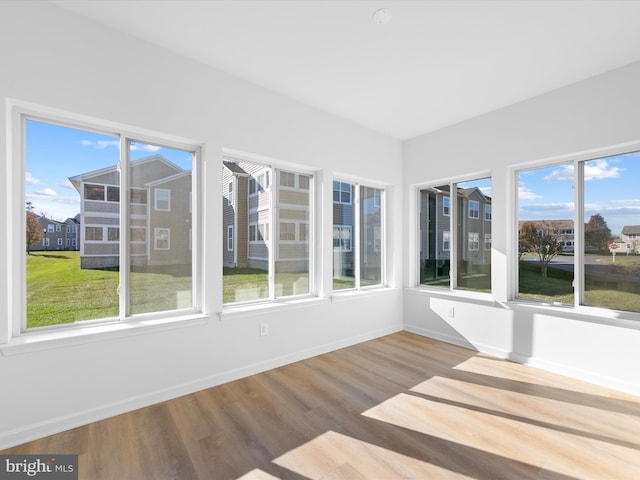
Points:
x=59 y=291
x=246 y=284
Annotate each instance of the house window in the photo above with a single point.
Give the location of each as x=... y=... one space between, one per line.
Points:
x=278 y=247
x=138 y=196
x=487 y=242
x=357 y=264
x=94 y=192
x=487 y=212
x=548 y=236
x=230 y=238
x=342 y=238
x=342 y=192
x=58 y=228
x=474 y=209
x=230 y=194
x=68 y=229
x=146 y=277
x=287 y=231
x=303 y=182
x=454 y=263
x=46 y=242
x=162 y=238
x=113 y=194
x=93 y=234
x=113 y=234
x=287 y=179
x=162 y=199
x=50 y=228
x=474 y=241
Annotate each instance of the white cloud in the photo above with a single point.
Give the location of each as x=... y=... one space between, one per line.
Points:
x=30 y=179
x=143 y=147
x=67 y=184
x=593 y=170
x=525 y=194
x=47 y=192
x=563 y=174
x=101 y=144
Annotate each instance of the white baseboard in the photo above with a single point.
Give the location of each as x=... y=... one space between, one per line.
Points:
x=66 y=422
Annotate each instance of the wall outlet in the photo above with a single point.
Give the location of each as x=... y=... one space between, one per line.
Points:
x=264 y=329
x=451 y=312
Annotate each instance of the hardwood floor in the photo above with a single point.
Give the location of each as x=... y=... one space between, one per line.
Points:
x=402 y=406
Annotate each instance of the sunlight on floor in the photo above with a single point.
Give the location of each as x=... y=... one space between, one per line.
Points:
x=333 y=455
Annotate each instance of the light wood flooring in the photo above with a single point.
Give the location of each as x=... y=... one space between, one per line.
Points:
x=401 y=406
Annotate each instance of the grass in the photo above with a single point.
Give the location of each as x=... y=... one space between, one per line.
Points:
x=59 y=291
x=246 y=284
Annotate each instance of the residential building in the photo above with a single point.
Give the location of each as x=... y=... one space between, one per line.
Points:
x=160 y=212
x=562 y=229
x=57 y=235
x=631 y=237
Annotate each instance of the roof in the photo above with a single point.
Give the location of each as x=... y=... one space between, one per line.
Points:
x=233 y=167
x=630 y=229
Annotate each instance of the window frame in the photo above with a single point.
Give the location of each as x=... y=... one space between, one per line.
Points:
x=156 y=200
x=156 y=231
x=476 y=211
x=19 y=113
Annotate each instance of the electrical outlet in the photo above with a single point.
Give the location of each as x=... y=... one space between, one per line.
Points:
x=451 y=312
x=264 y=329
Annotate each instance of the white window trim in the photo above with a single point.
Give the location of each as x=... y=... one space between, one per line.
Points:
x=155 y=199
x=230 y=238
x=446 y=204
x=488 y=215
x=351 y=193
x=447 y=234
x=12 y=331
x=156 y=231
x=350 y=229
x=471 y=242
x=475 y=210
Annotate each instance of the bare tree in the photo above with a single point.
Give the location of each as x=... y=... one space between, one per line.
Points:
x=541 y=239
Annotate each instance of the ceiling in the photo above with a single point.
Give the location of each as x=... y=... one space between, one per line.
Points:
x=434 y=64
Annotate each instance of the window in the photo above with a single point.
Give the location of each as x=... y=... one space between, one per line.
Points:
x=162 y=238
x=287 y=231
x=342 y=238
x=487 y=212
x=474 y=209
x=93 y=234
x=342 y=192
x=68 y=229
x=138 y=196
x=94 y=192
x=287 y=179
x=111 y=278
x=303 y=182
x=50 y=228
x=451 y=254
x=163 y=199
x=598 y=241
x=487 y=241
x=446 y=241
x=46 y=242
x=113 y=234
x=474 y=241
x=270 y=224
x=230 y=194
x=230 y=238
x=357 y=262
x=58 y=228
x=113 y=194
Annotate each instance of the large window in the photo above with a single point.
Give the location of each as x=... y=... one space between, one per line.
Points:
x=454 y=240
x=592 y=260
x=257 y=268
x=357 y=262
x=78 y=173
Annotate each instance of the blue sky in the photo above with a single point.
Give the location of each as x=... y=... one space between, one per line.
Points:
x=54 y=153
x=611 y=189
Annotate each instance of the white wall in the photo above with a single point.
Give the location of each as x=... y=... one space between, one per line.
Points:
x=601 y=112
x=55 y=59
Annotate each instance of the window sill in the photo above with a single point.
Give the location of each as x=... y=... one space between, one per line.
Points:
x=461 y=294
x=260 y=307
x=350 y=294
x=63 y=337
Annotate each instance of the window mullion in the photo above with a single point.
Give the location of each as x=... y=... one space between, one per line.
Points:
x=454 y=241
x=578 y=234
x=124 y=260
x=356 y=235
x=273 y=241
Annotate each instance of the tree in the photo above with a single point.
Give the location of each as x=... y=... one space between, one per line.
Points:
x=542 y=240
x=597 y=233
x=34 y=231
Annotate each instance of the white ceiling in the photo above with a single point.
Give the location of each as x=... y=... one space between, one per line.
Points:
x=436 y=63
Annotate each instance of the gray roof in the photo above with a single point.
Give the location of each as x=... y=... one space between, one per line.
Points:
x=233 y=167
x=629 y=229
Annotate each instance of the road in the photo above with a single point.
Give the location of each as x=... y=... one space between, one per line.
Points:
x=593 y=266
